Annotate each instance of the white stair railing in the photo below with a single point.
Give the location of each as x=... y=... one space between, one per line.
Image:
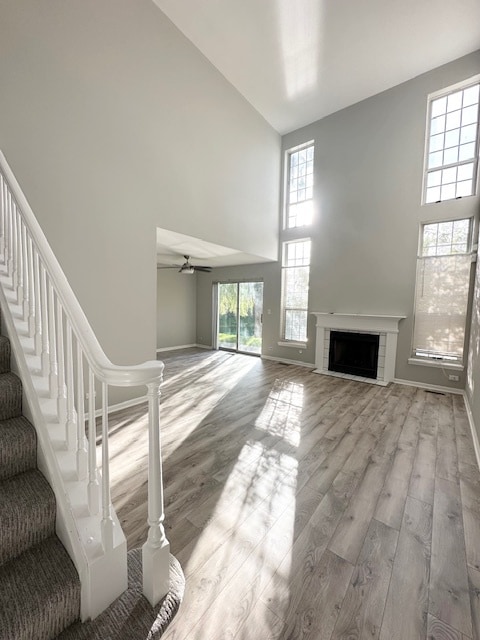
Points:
x=59 y=359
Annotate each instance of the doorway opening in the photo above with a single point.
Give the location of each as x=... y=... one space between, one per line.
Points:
x=239 y=316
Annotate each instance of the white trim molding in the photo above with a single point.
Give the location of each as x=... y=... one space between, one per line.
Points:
x=439 y=364
x=473 y=431
x=180 y=346
x=436 y=388
x=184 y=346
x=295 y=345
x=298 y=363
x=385 y=326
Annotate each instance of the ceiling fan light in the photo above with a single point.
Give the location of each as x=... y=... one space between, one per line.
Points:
x=188 y=270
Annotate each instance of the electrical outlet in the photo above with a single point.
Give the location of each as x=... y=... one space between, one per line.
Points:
x=453 y=378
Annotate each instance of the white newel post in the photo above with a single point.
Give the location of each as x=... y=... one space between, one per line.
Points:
x=156 y=550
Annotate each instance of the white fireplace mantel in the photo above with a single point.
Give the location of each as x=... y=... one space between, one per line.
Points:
x=385 y=326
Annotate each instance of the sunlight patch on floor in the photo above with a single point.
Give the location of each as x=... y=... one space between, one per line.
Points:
x=282 y=412
x=196 y=368
x=210 y=389
x=246 y=540
x=251 y=527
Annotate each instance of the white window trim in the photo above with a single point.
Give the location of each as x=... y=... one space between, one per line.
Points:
x=438 y=361
x=285 y=342
x=292 y=343
x=430 y=98
x=286 y=182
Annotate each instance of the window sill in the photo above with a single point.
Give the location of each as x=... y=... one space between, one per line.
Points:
x=439 y=364
x=291 y=343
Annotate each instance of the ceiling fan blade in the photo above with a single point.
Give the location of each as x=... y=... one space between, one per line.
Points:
x=204 y=269
x=169 y=266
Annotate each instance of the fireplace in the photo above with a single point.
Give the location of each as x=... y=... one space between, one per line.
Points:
x=354 y=353
x=383 y=327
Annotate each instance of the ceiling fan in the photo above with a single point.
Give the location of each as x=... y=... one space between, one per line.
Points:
x=186 y=267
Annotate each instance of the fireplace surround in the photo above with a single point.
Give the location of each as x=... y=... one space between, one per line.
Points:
x=383 y=326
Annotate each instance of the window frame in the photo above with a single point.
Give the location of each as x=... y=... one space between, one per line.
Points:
x=445 y=92
x=287 y=173
x=428 y=357
x=283 y=308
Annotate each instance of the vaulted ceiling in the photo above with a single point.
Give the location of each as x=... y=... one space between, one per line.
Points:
x=297 y=61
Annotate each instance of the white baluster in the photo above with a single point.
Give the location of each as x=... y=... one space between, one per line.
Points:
x=26 y=272
x=52 y=339
x=11 y=257
x=37 y=299
x=82 y=458
x=156 y=550
x=11 y=243
x=32 y=289
x=71 y=433
x=107 y=520
x=44 y=315
x=19 y=257
x=93 y=488
x=8 y=230
x=61 y=389
x=14 y=255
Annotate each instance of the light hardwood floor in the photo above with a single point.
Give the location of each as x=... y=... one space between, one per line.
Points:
x=304 y=507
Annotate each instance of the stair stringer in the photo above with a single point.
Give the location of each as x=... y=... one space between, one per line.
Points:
x=103 y=576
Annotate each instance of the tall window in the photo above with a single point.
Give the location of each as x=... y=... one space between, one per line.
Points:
x=295 y=276
x=451 y=161
x=299 y=196
x=442 y=288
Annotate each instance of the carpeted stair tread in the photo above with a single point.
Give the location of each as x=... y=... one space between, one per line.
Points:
x=4 y=354
x=10 y=396
x=18 y=446
x=39 y=593
x=27 y=513
x=39 y=585
x=131 y=617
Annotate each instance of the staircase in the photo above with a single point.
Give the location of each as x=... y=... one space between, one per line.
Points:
x=64 y=568
x=39 y=586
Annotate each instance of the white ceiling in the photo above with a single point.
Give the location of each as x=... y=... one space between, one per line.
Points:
x=297 y=61
x=173 y=246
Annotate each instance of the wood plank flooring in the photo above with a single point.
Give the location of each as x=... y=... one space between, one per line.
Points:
x=304 y=506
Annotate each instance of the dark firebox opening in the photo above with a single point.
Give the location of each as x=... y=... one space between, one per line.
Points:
x=354 y=353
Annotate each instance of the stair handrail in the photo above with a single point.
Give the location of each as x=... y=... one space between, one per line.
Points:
x=116 y=375
x=55 y=320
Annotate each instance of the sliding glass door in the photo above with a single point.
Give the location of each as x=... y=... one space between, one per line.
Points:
x=240 y=309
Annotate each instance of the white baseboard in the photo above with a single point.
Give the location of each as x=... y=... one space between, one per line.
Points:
x=428 y=387
x=298 y=363
x=180 y=346
x=184 y=346
x=473 y=431
x=113 y=408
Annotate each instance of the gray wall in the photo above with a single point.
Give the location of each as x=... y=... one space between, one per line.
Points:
x=368 y=181
x=270 y=274
x=368 y=177
x=115 y=124
x=176 y=309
